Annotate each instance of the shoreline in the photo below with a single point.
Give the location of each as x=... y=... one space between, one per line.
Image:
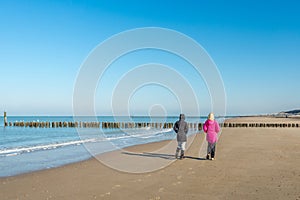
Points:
x=251 y=163
x=244 y=119
x=129 y=148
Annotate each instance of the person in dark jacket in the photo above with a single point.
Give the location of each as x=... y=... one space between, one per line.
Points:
x=181 y=128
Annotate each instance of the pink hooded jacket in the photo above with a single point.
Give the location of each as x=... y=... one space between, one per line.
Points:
x=211 y=127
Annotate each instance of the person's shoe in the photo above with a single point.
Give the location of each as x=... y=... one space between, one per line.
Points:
x=207 y=156
x=176 y=154
x=182 y=155
x=212 y=158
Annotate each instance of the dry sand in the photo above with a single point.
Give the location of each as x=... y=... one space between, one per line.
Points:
x=252 y=163
x=264 y=119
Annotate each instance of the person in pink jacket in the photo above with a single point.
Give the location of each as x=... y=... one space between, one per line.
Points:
x=211 y=128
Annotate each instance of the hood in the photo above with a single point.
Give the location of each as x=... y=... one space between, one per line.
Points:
x=181 y=117
x=211 y=121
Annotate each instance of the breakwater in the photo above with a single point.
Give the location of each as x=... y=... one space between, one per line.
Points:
x=125 y=125
x=104 y=125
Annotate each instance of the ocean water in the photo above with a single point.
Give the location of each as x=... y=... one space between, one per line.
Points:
x=25 y=149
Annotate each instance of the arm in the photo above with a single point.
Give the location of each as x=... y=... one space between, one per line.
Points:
x=217 y=127
x=205 y=127
x=186 y=128
x=176 y=128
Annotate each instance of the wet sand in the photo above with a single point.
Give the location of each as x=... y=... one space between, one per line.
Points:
x=251 y=163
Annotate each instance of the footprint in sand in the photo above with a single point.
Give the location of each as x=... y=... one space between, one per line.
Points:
x=107 y=193
x=192 y=172
x=177 y=183
x=155 y=198
x=161 y=189
x=116 y=186
x=179 y=177
x=138 y=180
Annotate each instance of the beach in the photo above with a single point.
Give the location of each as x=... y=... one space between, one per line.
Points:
x=251 y=163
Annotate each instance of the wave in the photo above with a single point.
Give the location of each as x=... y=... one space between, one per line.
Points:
x=19 y=150
x=134 y=133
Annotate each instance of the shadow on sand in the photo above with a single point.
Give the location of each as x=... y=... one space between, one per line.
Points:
x=153 y=155
x=194 y=158
x=159 y=155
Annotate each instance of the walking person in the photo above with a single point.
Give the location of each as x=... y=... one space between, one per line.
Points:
x=211 y=128
x=181 y=128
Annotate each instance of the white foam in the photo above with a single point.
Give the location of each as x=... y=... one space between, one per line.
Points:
x=43 y=147
x=12 y=154
x=133 y=133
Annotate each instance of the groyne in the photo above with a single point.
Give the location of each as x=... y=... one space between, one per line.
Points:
x=125 y=125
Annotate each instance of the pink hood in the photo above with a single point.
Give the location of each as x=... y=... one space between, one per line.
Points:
x=211 y=127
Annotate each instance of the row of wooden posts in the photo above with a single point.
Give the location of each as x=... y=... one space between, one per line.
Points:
x=261 y=125
x=104 y=125
x=124 y=125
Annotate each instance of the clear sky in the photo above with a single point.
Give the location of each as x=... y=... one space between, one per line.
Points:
x=254 y=44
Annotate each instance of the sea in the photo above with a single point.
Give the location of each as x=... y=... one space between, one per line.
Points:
x=28 y=149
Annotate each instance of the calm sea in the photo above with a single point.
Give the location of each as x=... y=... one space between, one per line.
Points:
x=24 y=149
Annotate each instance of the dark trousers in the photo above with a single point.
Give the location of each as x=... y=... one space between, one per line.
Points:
x=211 y=149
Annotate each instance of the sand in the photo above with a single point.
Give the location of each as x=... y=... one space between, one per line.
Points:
x=251 y=163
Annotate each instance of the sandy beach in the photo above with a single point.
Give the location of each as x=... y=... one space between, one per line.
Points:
x=251 y=163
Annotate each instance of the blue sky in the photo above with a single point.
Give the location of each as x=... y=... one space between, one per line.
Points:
x=255 y=45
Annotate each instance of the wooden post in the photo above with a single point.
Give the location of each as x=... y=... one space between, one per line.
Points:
x=199 y=126
x=5 y=119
